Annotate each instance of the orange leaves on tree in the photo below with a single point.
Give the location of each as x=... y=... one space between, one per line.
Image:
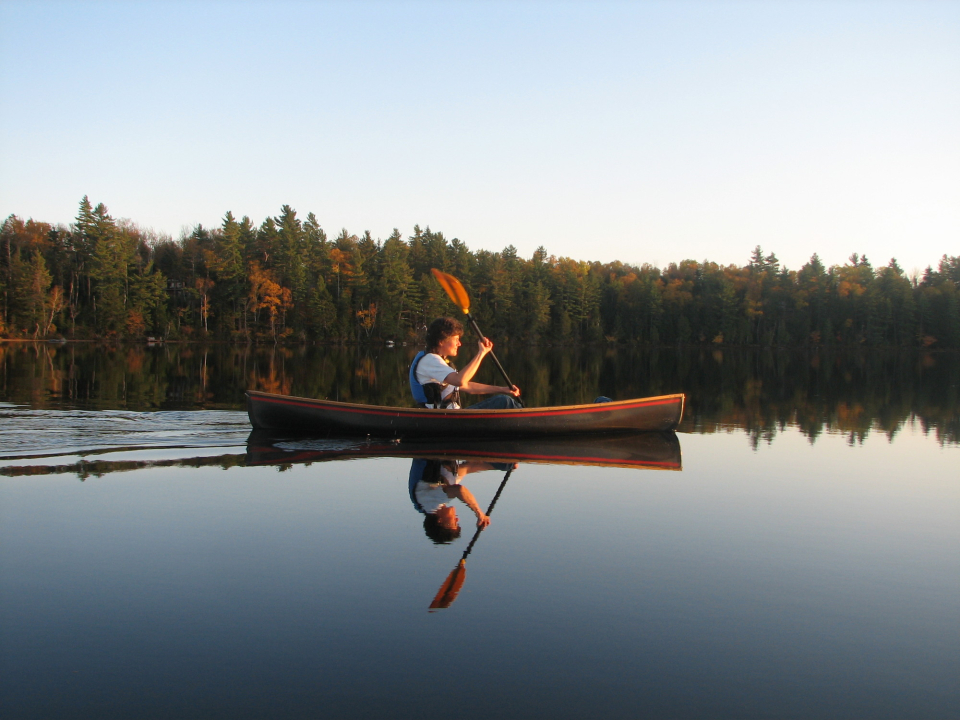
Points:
x=267 y=294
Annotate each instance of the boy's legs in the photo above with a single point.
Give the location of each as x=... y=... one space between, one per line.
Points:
x=497 y=402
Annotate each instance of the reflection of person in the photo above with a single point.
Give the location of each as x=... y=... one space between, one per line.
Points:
x=435 y=383
x=433 y=486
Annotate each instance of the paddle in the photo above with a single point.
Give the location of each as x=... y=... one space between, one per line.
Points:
x=451 y=586
x=458 y=296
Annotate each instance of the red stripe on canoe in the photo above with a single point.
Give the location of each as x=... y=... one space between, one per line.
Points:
x=569 y=458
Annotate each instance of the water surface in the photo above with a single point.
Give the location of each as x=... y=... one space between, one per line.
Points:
x=153 y=563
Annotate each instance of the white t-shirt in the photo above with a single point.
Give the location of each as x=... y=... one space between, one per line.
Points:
x=433 y=369
x=431 y=495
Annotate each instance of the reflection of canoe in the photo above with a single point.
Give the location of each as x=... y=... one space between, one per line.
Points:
x=326 y=417
x=638 y=450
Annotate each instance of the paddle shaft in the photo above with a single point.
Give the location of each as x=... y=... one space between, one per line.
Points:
x=493 y=502
x=476 y=329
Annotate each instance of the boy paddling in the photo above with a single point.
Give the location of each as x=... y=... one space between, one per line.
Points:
x=436 y=383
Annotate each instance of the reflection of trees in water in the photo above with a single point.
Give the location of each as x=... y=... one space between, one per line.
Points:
x=762 y=391
x=844 y=392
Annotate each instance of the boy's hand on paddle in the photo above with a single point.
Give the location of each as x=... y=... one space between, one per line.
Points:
x=514 y=390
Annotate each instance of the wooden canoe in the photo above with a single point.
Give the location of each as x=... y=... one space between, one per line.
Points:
x=326 y=417
x=645 y=450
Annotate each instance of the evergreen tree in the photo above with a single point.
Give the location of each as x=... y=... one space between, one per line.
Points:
x=290 y=251
x=111 y=255
x=395 y=285
x=33 y=312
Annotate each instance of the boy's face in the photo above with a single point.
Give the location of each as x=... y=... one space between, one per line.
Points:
x=447 y=517
x=448 y=346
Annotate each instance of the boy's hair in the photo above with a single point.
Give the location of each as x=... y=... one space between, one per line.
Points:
x=440 y=329
x=437 y=532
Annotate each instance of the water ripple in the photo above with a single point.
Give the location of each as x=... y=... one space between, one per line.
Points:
x=58 y=432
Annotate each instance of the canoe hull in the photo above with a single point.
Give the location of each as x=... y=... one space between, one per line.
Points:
x=326 y=417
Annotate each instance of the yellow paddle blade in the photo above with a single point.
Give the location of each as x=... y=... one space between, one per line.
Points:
x=451 y=587
x=455 y=291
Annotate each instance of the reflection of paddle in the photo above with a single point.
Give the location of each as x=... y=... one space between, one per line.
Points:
x=451 y=586
x=458 y=296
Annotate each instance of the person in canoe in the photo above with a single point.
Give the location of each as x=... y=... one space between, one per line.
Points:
x=436 y=383
x=435 y=484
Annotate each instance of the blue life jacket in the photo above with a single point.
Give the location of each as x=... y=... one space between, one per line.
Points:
x=419 y=396
x=416 y=475
x=431 y=393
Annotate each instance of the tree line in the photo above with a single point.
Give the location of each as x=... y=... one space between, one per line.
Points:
x=286 y=281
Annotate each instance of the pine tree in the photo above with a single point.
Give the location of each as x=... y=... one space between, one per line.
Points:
x=111 y=256
x=33 y=310
x=396 y=282
x=290 y=244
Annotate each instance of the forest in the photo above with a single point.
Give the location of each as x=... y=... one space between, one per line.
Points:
x=285 y=281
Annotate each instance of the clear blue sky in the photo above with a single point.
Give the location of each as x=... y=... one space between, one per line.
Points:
x=644 y=132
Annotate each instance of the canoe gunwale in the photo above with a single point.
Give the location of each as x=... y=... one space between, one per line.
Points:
x=467 y=412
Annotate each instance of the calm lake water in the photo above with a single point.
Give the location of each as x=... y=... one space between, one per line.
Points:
x=794 y=552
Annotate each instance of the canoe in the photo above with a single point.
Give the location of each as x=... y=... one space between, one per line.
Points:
x=326 y=417
x=645 y=450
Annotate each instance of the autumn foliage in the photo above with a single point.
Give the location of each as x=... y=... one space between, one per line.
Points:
x=285 y=281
